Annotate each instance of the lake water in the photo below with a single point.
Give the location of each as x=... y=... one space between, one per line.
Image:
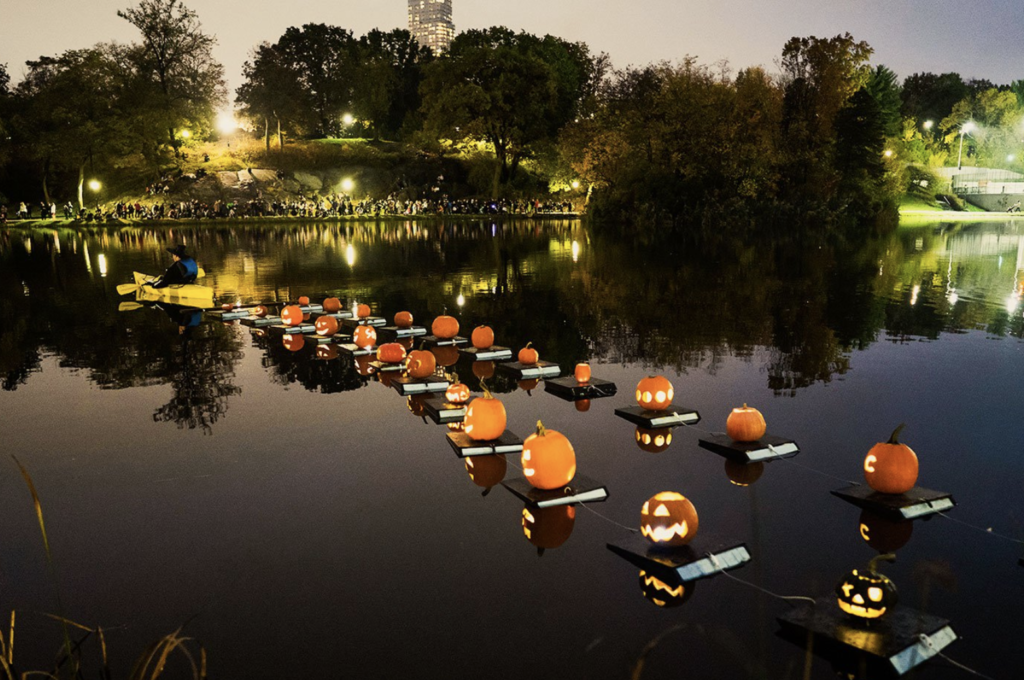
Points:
x=304 y=522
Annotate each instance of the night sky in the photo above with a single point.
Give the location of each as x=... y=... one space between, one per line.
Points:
x=980 y=39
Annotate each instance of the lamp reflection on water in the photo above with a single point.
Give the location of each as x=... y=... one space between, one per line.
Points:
x=575 y=251
x=461 y=300
x=350 y=255
x=103 y=264
x=913 y=294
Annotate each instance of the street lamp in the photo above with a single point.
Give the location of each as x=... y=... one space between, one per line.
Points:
x=928 y=124
x=185 y=134
x=347 y=185
x=967 y=128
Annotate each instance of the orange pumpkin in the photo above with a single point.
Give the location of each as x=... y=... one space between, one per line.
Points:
x=485 y=418
x=548 y=527
x=365 y=337
x=668 y=519
x=582 y=405
x=260 y=311
x=391 y=353
x=363 y=311
x=332 y=305
x=293 y=342
x=327 y=352
x=655 y=393
x=403 y=320
x=743 y=474
x=891 y=467
x=529 y=385
x=582 y=373
x=227 y=306
x=549 y=461
x=291 y=315
x=483 y=337
x=487 y=471
x=653 y=441
x=528 y=356
x=483 y=369
x=422 y=364
x=745 y=424
x=884 y=535
x=457 y=393
x=326 y=326
x=416 y=405
x=363 y=365
x=446 y=355
x=445 y=327
x=304 y=300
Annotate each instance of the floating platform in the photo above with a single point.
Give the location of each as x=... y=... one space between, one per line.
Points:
x=670 y=417
x=355 y=350
x=569 y=389
x=301 y=329
x=434 y=341
x=230 y=314
x=766 y=448
x=541 y=369
x=889 y=646
x=340 y=316
x=495 y=353
x=915 y=503
x=375 y=321
x=465 y=447
x=407 y=385
x=261 y=321
x=391 y=333
x=581 y=489
x=385 y=367
x=309 y=309
x=441 y=411
x=704 y=556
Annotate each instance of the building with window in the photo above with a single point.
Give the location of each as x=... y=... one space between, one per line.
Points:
x=430 y=22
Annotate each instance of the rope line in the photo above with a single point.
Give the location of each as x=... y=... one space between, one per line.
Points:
x=718 y=565
x=983 y=530
x=931 y=645
x=609 y=519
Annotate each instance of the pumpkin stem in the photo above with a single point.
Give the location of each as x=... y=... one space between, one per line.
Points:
x=455 y=378
x=528 y=345
x=873 y=564
x=487 y=392
x=894 y=437
x=541 y=431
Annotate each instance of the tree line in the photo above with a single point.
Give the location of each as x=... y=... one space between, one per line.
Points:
x=829 y=134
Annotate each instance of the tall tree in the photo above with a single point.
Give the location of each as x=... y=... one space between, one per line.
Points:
x=927 y=96
x=884 y=86
x=390 y=73
x=270 y=93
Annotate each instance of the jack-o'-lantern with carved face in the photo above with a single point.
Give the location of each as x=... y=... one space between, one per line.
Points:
x=668 y=519
x=365 y=337
x=364 y=367
x=548 y=527
x=260 y=311
x=293 y=342
x=655 y=393
x=326 y=326
x=667 y=593
x=653 y=441
x=457 y=393
x=291 y=315
x=891 y=467
x=487 y=471
x=867 y=594
x=326 y=352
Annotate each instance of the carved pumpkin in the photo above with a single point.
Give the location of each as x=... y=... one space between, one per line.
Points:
x=528 y=356
x=422 y=364
x=291 y=315
x=391 y=353
x=326 y=352
x=482 y=337
x=548 y=527
x=416 y=406
x=457 y=426
x=582 y=373
x=549 y=461
x=326 y=326
x=365 y=337
x=529 y=385
x=445 y=327
x=582 y=405
x=653 y=441
x=403 y=320
x=457 y=393
x=884 y=535
x=363 y=366
x=485 y=417
x=891 y=467
x=260 y=310
x=332 y=305
x=487 y=471
x=668 y=519
x=670 y=593
x=304 y=300
x=483 y=369
x=745 y=424
x=293 y=342
x=867 y=594
x=363 y=311
x=655 y=393
x=743 y=475
x=446 y=355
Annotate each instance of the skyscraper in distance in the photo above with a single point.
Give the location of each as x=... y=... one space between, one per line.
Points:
x=430 y=22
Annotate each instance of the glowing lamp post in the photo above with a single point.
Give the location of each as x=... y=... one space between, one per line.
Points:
x=967 y=128
x=347 y=185
x=94 y=187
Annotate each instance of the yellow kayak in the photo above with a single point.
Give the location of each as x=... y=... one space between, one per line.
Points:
x=188 y=294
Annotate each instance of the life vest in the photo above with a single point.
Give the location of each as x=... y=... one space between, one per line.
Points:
x=191 y=269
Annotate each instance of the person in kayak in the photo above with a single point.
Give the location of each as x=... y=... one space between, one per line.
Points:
x=184 y=269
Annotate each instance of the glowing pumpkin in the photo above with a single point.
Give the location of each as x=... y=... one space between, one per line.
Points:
x=891 y=467
x=293 y=342
x=291 y=315
x=485 y=418
x=416 y=405
x=365 y=337
x=669 y=593
x=528 y=356
x=445 y=327
x=745 y=424
x=655 y=393
x=326 y=326
x=363 y=311
x=326 y=352
x=482 y=337
x=884 y=535
x=582 y=405
x=743 y=475
x=487 y=471
x=403 y=320
x=483 y=369
x=653 y=441
x=549 y=461
x=457 y=393
x=548 y=527
x=260 y=310
x=391 y=353
x=582 y=373
x=867 y=594
x=304 y=300
x=668 y=519
x=227 y=306
x=446 y=355
x=363 y=365
x=332 y=305
x=421 y=364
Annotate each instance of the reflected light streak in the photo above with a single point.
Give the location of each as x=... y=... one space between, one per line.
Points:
x=88 y=262
x=1012 y=303
x=914 y=293
x=350 y=255
x=461 y=300
x=575 y=251
x=103 y=265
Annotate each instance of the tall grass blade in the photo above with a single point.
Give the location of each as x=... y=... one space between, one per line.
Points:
x=10 y=641
x=6 y=668
x=105 y=672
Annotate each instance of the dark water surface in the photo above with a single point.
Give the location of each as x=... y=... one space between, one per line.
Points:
x=306 y=524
